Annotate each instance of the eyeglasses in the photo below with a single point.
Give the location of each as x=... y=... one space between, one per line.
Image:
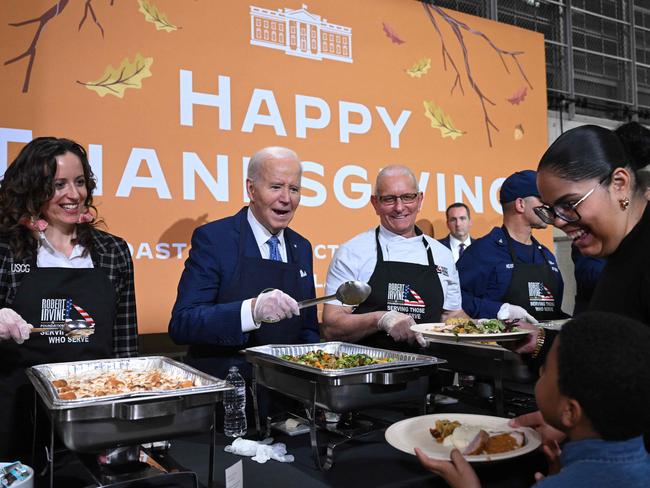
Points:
x=392 y=199
x=565 y=211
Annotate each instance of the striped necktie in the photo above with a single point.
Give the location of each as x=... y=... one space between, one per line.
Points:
x=274 y=245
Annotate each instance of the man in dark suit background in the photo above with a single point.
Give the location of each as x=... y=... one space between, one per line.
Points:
x=222 y=306
x=459 y=223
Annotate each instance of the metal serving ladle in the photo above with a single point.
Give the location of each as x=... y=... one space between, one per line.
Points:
x=68 y=328
x=349 y=293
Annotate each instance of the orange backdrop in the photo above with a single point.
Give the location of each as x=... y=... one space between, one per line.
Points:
x=171 y=98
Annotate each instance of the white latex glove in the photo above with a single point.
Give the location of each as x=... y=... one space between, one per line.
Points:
x=273 y=306
x=12 y=326
x=398 y=326
x=279 y=453
x=512 y=312
x=245 y=447
x=261 y=451
x=276 y=451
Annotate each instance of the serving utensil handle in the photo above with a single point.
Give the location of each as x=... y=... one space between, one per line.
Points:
x=315 y=301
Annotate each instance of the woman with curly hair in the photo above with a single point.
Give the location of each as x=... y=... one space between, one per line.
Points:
x=56 y=268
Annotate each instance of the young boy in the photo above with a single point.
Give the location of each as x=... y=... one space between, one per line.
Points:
x=594 y=387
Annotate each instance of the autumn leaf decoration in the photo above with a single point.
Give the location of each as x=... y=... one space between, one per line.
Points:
x=391 y=34
x=420 y=68
x=153 y=15
x=518 y=96
x=115 y=81
x=441 y=121
x=519 y=132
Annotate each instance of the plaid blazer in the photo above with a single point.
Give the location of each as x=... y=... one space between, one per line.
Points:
x=111 y=254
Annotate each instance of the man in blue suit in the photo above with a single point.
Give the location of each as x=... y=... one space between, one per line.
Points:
x=459 y=222
x=222 y=304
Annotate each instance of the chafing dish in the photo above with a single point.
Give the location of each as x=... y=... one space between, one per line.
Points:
x=485 y=360
x=93 y=424
x=404 y=378
x=343 y=390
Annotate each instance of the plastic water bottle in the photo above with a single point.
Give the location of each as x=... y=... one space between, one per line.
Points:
x=234 y=405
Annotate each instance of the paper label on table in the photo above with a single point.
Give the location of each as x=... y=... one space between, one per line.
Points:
x=235 y=476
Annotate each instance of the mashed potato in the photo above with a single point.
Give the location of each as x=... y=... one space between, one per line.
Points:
x=462 y=436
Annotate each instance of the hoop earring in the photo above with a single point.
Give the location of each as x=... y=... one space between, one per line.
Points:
x=624 y=203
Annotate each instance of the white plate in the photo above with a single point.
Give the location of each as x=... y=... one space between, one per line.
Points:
x=408 y=434
x=433 y=331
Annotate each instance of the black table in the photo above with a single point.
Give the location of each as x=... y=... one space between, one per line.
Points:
x=370 y=462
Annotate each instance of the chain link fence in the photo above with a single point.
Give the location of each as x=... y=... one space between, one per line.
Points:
x=597 y=51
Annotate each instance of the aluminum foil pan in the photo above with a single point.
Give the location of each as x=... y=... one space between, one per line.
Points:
x=274 y=353
x=46 y=373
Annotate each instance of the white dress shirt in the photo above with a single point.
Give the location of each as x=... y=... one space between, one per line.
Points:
x=48 y=257
x=455 y=244
x=357 y=258
x=262 y=235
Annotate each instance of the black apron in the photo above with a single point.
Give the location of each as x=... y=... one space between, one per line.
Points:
x=534 y=286
x=48 y=297
x=252 y=275
x=408 y=288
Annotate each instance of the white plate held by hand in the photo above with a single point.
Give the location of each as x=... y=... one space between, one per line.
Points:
x=436 y=331
x=408 y=434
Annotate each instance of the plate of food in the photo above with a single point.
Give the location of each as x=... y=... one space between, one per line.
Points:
x=480 y=438
x=462 y=329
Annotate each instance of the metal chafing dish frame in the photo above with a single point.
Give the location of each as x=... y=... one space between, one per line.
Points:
x=339 y=390
x=144 y=407
x=493 y=361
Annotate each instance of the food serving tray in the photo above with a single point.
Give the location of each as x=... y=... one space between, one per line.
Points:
x=343 y=390
x=92 y=424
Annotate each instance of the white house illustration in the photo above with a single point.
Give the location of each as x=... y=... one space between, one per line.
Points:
x=300 y=33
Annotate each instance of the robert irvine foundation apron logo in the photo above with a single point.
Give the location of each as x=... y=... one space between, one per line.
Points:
x=401 y=294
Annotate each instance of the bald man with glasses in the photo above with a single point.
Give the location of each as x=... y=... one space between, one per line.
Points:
x=413 y=276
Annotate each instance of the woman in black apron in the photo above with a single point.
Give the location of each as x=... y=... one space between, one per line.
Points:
x=55 y=268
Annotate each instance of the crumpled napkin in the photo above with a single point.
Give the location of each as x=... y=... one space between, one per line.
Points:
x=261 y=451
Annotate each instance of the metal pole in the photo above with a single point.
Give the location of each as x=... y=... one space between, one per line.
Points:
x=493 y=12
x=568 y=32
x=635 y=88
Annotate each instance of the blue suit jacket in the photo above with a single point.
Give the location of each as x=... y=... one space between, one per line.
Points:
x=210 y=266
x=445 y=241
x=485 y=271
x=587 y=271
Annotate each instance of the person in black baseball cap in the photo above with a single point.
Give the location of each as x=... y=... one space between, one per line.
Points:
x=521 y=184
x=508 y=274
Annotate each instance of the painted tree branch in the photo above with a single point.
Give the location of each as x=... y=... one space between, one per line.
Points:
x=89 y=8
x=445 y=53
x=457 y=28
x=48 y=15
x=44 y=18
